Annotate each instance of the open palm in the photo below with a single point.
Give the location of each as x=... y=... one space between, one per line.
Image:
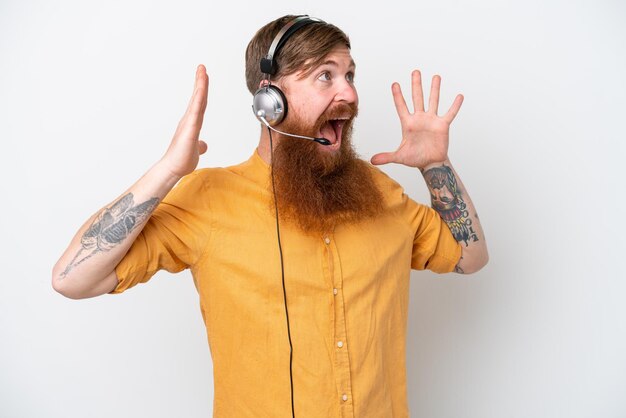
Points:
x=184 y=152
x=424 y=133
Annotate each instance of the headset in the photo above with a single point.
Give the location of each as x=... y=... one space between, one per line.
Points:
x=269 y=103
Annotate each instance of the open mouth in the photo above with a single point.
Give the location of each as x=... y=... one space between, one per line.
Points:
x=332 y=131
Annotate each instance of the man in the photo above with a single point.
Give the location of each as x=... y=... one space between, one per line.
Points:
x=301 y=255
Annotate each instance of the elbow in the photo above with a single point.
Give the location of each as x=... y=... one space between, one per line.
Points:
x=63 y=285
x=57 y=280
x=474 y=264
x=82 y=284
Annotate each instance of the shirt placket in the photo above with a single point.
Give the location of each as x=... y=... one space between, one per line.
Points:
x=342 y=358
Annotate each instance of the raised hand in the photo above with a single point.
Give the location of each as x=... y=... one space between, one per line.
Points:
x=424 y=133
x=184 y=152
x=87 y=267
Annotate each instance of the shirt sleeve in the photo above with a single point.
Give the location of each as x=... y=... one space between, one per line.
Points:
x=171 y=238
x=434 y=247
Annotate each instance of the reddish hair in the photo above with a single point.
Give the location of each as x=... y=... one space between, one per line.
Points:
x=304 y=51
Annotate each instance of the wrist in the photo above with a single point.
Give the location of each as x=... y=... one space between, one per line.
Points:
x=435 y=164
x=164 y=173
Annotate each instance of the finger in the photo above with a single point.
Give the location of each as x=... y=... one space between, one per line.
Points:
x=433 y=100
x=191 y=122
x=202 y=147
x=200 y=89
x=383 y=158
x=198 y=103
x=454 y=109
x=195 y=85
x=398 y=100
x=418 y=93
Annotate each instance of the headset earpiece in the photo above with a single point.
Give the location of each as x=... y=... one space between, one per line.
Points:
x=270 y=103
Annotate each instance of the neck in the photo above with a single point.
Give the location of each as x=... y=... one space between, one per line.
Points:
x=264 y=145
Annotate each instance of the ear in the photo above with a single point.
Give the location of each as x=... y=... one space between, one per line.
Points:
x=263 y=83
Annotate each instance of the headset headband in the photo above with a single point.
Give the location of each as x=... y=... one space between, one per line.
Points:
x=268 y=63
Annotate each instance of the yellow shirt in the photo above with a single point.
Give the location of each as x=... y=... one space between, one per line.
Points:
x=347 y=293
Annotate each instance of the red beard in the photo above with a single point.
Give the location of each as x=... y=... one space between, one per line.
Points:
x=317 y=189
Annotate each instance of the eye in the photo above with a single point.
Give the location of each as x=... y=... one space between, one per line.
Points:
x=350 y=77
x=325 y=76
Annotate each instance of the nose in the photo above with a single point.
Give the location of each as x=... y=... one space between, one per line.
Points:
x=346 y=92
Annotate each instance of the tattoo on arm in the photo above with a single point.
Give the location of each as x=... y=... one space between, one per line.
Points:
x=448 y=202
x=111 y=227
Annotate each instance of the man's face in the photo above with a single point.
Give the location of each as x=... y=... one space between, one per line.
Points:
x=320 y=186
x=323 y=102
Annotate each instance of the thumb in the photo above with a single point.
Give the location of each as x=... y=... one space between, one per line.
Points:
x=202 y=147
x=383 y=158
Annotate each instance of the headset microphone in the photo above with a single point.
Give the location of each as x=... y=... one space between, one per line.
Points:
x=261 y=116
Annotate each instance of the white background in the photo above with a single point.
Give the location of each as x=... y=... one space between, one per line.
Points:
x=91 y=92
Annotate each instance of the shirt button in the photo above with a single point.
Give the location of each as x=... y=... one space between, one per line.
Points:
x=335 y=291
x=327 y=240
x=344 y=397
x=339 y=344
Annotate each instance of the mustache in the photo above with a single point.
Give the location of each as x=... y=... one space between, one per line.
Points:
x=341 y=110
x=296 y=124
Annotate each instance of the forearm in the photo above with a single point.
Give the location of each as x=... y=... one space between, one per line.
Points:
x=450 y=199
x=87 y=267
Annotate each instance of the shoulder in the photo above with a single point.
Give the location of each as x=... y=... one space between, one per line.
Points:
x=393 y=193
x=397 y=202
x=249 y=178
x=194 y=188
x=211 y=177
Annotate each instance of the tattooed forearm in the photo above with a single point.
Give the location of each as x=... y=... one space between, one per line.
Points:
x=448 y=201
x=111 y=227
